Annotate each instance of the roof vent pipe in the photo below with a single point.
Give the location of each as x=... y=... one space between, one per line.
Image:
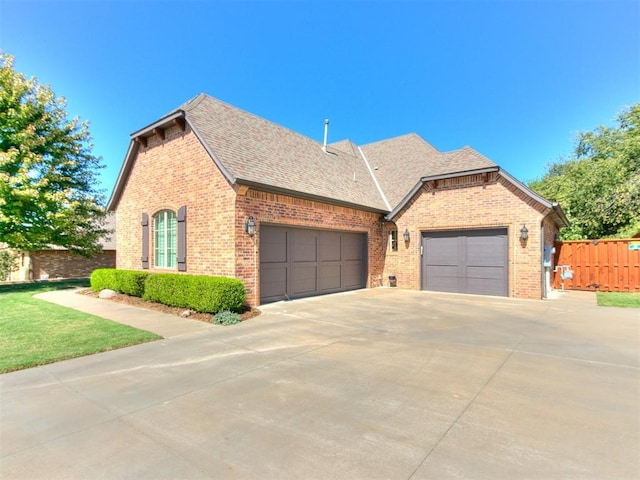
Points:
x=326 y=132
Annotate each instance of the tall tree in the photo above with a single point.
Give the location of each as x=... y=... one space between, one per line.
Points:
x=599 y=186
x=49 y=192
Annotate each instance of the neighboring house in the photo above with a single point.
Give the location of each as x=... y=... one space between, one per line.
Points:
x=57 y=262
x=327 y=218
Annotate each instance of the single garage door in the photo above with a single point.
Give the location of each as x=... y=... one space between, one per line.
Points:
x=299 y=262
x=466 y=261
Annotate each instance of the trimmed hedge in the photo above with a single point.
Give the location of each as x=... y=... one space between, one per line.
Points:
x=196 y=292
x=102 y=278
x=131 y=282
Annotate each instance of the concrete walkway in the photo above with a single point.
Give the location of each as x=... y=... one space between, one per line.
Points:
x=373 y=384
x=159 y=323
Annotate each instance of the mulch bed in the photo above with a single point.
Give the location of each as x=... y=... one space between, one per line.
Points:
x=158 y=307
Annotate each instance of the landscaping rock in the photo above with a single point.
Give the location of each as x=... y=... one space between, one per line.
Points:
x=185 y=314
x=106 y=293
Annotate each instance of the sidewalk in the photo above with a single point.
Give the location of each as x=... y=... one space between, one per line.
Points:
x=159 y=323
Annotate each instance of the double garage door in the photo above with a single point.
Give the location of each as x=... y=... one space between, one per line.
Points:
x=299 y=262
x=466 y=261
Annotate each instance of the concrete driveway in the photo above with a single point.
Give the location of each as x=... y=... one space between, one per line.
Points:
x=379 y=383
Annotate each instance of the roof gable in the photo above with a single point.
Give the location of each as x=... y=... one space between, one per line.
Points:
x=554 y=211
x=400 y=162
x=252 y=151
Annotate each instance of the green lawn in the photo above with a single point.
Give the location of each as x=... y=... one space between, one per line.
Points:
x=34 y=332
x=618 y=299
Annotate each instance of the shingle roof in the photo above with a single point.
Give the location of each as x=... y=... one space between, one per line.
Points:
x=256 y=151
x=253 y=151
x=346 y=146
x=400 y=162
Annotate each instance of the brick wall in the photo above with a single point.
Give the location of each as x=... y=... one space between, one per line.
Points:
x=392 y=264
x=473 y=202
x=285 y=210
x=64 y=264
x=177 y=171
x=169 y=174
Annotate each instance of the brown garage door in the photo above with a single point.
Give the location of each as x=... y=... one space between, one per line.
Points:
x=466 y=261
x=297 y=262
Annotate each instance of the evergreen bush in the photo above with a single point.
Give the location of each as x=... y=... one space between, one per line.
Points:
x=131 y=282
x=8 y=261
x=196 y=292
x=102 y=278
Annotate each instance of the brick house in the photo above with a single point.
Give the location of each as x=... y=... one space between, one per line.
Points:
x=57 y=262
x=213 y=190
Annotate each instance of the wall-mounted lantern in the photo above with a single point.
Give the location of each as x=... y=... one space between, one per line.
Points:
x=250 y=226
x=406 y=235
x=524 y=233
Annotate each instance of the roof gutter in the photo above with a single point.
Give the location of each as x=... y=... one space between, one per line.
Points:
x=307 y=196
x=391 y=215
x=559 y=213
x=165 y=121
x=464 y=173
x=554 y=208
x=524 y=189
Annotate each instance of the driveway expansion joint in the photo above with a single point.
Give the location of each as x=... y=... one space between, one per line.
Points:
x=510 y=352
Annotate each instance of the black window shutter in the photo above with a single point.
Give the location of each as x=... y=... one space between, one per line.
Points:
x=145 y=240
x=182 y=239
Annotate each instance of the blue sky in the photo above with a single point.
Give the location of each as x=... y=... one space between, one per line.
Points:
x=515 y=80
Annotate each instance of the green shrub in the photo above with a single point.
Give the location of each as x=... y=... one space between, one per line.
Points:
x=131 y=282
x=226 y=317
x=163 y=288
x=102 y=278
x=196 y=292
x=8 y=261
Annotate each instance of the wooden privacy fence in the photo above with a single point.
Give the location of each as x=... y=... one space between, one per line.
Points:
x=604 y=265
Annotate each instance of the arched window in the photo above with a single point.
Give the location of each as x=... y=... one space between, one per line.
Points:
x=165 y=239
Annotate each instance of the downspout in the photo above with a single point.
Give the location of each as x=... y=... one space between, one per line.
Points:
x=543 y=269
x=514 y=291
x=256 y=274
